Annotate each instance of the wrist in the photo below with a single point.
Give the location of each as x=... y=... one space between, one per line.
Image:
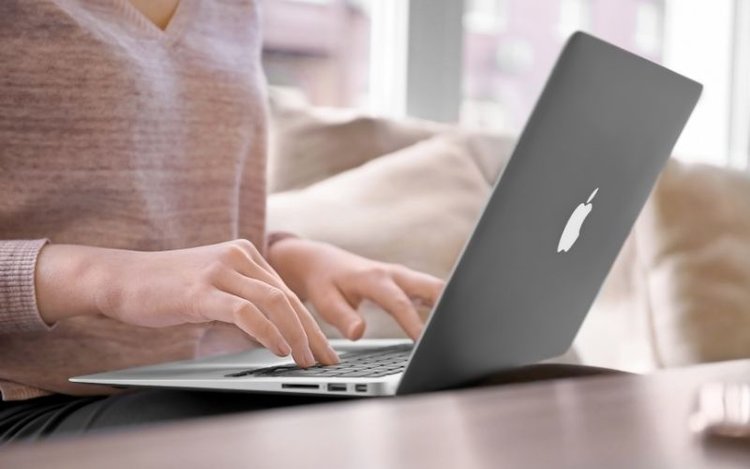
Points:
x=288 y=257
x=69 y=282
x=276 y=236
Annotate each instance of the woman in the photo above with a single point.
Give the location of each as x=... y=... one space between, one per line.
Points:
x=132 y=203
x=132 y=208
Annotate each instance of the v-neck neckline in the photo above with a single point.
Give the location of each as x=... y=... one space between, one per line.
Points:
x=173 y=29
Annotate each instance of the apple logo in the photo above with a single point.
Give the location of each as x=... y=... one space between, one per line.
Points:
x=573 y=227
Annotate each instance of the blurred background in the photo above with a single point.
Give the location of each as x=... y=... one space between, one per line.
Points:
x=483 y=62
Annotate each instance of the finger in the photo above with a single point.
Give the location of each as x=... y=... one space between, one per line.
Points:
x=338 y=311
x=418 y=285
x=275 y=304
x=392 y=298
x=235 y=310
x=317 y=341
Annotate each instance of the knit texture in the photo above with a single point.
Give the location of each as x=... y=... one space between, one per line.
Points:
x=17 y=296
x=115 y=133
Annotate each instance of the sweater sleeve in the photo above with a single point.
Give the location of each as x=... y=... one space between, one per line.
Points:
x=276 y=236
x=18 y=308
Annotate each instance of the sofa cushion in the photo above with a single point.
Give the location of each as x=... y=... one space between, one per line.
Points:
x=310 y=144
x=693 y=243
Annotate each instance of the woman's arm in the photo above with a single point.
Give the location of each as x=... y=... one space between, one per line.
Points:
x=228 y=282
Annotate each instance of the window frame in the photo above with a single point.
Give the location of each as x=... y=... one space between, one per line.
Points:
x=739 y=131
x=406 y=78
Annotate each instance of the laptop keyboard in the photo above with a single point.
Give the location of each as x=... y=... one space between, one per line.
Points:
x=367 y=363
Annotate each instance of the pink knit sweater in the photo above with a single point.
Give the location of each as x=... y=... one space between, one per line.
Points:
x=116 y=133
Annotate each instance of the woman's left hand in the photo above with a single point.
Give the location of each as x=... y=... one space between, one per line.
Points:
x=336 y=282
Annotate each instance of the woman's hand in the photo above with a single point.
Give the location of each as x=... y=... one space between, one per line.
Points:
x=336 y=282
x=229 y=282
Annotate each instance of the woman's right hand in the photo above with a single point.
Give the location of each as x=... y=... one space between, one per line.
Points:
x=229 y=282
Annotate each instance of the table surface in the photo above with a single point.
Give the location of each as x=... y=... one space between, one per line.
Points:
x=620 y=421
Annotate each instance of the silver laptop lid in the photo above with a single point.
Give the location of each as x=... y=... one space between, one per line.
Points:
x=582 y=169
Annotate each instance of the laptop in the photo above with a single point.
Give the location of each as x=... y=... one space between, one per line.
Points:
x=600 y=133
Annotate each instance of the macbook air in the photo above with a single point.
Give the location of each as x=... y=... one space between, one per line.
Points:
x=582 y=169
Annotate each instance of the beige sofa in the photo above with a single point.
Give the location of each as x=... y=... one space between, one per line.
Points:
x=410 y=192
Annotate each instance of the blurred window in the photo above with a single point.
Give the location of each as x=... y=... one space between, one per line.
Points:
x=486 y=16
x=648 y=27
x=318 y=49
x=356 y=53
x=575 y=15
x=505 y=69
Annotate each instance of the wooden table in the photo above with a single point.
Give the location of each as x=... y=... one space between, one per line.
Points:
x=602 y=422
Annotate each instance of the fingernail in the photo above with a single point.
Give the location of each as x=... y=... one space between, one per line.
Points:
x=333 y=356
x=284 y=348
x=353 y=328
x=309 y=359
